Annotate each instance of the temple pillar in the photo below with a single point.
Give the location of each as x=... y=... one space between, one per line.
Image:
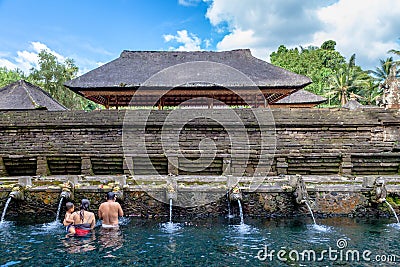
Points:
x=42 y=167
x=173 y=165
x=3 y=171
x=86 y=166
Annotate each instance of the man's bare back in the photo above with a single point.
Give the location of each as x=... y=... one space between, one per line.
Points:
x=109 y=212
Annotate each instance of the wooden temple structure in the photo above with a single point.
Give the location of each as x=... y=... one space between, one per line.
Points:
x=114 y=84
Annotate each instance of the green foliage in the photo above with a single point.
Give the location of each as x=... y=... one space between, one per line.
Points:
x=10 y=76
x=52 y=74
x=332 y=76
x=317 y=63
x=381 y=72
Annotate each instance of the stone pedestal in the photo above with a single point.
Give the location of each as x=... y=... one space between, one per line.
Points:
x=86 y=166
x=346 y=165
x=226 y=166
x=281 y=166
x=127 y=166
x=3 y=171
x=173 y=165
x=42 y=168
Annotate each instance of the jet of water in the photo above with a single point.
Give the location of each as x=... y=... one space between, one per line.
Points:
x=311 y=212
x=5 y=210
x=241 y=212
x=394 y=213
x=170 y=210
x=59 y=208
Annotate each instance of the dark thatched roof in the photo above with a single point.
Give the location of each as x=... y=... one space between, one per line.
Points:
x=133 y=68
x=22 y=95
x=302 y=97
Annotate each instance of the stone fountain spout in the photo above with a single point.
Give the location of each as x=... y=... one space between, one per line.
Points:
x=235 y=194
x=17 y=192
x=118 y=192
x=171 y=191
x=67 y=190
x=300 y=192
x=379 y=192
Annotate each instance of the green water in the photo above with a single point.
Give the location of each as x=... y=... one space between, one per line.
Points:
x=210 y=242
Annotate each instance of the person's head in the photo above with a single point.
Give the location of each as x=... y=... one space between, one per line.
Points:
x=85 y=203
x=70 y=206
x=111 y=196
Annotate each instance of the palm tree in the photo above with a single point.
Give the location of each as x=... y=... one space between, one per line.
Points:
x=371 y=92
x=347 y=79
x=382 y=71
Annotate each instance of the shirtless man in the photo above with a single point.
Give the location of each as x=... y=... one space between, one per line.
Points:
x=109 y=211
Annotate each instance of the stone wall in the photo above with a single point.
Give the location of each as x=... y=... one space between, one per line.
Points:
x=308 y=141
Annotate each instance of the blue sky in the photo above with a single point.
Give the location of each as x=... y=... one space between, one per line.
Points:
x=93 y=32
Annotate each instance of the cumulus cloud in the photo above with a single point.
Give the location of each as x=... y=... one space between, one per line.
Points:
x=186 y=41
x=368 y=29
x=27 y=59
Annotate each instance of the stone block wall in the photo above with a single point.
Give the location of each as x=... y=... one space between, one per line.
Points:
x=308 y=141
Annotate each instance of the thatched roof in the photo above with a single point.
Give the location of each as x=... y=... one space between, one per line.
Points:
x=114 y=83
x=133 y=68
x=302 y=97
x=22 y=95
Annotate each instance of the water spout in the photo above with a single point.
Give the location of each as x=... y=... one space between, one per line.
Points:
x=301 y=195
x=393 y=211
x=5 y=209
x=17 y=193
x=380 y=192
x=235 y=194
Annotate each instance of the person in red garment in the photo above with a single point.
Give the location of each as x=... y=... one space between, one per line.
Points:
x=84 y=220
x=109 y=211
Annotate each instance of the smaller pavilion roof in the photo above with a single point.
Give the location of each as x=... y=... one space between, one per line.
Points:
x=22 y=95
x=302 y=97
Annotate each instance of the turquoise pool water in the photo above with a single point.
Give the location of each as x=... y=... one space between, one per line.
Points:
x=209 y=242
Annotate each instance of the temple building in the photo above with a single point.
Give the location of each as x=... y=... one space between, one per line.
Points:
x=114 y=84
x=22 y=95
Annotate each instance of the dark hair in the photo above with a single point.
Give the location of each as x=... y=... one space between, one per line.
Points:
x=69 y=205
x=84 y=206
x=110 y=195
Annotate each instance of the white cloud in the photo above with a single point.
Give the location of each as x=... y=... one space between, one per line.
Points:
x=188 y=2
x=369 y=29
x=27 y=59
x=187 y=41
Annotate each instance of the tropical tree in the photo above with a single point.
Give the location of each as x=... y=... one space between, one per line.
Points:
x=318 y=63
x=51 y=76
x=349 y=78
x=381 y=72
x=371 y=92
x=9 y=76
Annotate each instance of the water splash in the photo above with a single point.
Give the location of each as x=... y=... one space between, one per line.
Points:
x=59 y=208
x=311 y=212
x=241 y=212
x=394 y=213
x=170 y=227
x=5 y=210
